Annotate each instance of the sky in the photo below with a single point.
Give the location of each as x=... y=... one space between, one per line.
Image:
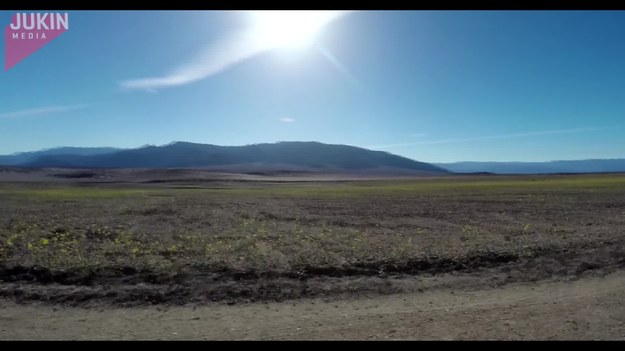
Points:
x=434 y=86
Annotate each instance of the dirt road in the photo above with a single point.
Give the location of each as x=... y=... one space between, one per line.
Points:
x=589 y=308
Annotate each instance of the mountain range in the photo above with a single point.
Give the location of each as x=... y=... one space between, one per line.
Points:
x=284 y=156
x=23 y=158
x=574 y=166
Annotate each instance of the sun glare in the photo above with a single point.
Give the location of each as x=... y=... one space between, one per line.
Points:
x=289 y=29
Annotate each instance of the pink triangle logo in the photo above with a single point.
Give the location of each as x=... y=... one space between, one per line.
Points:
x=29 y=32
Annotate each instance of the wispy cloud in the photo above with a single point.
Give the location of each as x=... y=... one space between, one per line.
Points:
x=491 y=137
x=340 y=67
x=223 y=54
x=40 y=111
x=209 y=61
x=287 y=120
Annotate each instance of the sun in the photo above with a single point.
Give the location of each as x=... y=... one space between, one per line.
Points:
x=289 y=29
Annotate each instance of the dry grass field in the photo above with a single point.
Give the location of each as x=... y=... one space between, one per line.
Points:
x=178 y=242
x=197 y=242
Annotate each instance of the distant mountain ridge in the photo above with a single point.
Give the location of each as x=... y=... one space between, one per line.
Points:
x=573 y=166
x=301 y=156
x=296 y=156
x=21 y=158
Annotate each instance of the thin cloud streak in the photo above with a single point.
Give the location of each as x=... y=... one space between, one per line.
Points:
x=213 y=59
x=492 y=137
x=287 y=120
x=40 y=111
x=340 y=67
x=210 y=61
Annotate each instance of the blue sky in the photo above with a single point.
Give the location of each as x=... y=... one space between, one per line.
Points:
x=435 y=86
